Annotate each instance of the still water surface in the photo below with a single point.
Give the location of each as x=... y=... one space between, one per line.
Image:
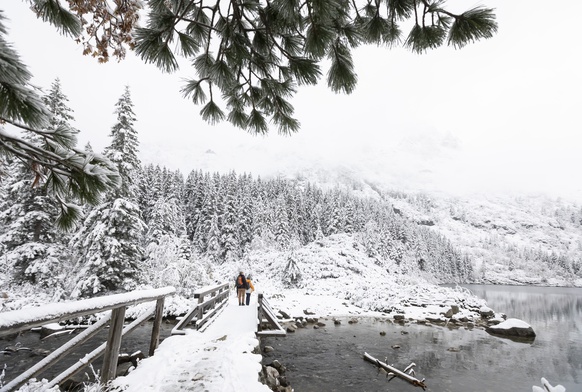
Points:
x=15 y=363
x=451 y=360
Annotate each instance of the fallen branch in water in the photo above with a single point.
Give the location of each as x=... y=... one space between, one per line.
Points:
x=395 y=372
x=58 y=333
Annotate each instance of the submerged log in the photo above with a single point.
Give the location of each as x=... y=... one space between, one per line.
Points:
x=397 y=373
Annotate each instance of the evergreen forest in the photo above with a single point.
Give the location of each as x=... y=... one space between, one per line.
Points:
x=159 y=227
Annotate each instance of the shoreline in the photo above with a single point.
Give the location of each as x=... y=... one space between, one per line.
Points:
x=294 y=307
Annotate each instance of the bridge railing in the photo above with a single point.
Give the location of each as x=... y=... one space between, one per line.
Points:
x=115 y=306
x=210 y=300
x=268 y=324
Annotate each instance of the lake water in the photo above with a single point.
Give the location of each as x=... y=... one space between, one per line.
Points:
x=451 y=360
x=20 y=361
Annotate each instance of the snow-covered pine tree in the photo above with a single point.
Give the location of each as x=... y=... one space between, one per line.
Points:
x=148 y=189
x=193 y=199
x=213 y=249
x=155 y=184
x=348 y=213
x=318 y=231
x=370 y=238
x=245 y=211
x=361 y=214
x=332 y=216
x=167 y=218
x=292 y=205
x=292 y=273
x=109 y=249
x=229 y=220
x=175 y=186
x=109 y=243
x=312 y=211
x=281 y=228
x=33 y=247
x=209 y=208
x=123 y=148
x=261 y=216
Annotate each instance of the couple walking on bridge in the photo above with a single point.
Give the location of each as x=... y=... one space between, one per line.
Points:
x=244 y=286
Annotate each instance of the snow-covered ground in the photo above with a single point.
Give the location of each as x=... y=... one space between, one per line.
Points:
x=337 y=269
x=330 y=277
x=220 y=359
x=224 y=356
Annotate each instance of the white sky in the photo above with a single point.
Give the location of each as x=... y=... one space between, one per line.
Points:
x=498 y=115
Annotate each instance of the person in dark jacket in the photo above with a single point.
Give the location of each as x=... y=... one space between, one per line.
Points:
x=241 y=288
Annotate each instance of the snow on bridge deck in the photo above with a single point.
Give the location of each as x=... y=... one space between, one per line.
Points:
x=220 y=359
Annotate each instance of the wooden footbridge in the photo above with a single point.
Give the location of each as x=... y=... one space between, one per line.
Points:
x=210 y=305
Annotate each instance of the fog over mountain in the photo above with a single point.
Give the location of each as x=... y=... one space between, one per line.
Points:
x=410 y=160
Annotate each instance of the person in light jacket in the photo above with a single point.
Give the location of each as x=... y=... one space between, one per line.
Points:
x=250 y=289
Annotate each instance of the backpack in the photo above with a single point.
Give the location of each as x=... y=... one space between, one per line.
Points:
x=241 y=282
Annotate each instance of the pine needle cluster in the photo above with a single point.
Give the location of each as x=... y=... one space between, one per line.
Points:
x=68 y=173
x=249 y=56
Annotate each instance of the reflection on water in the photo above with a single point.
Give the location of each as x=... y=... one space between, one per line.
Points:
x=451 y=360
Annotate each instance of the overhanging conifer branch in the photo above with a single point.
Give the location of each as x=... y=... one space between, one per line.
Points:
x=284 y=39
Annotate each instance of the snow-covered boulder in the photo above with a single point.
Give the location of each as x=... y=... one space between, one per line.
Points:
x=272 y=377
x=547 y=387
x=497 y=319
x=486 y=312
x=512 y=327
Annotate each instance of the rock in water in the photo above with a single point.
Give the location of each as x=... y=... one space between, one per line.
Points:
x=512 y=327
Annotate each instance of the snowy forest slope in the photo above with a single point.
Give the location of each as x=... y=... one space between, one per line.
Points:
x=513 y=238
x=527 y=239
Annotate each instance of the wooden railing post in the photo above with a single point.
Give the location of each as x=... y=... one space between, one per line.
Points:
x=213 y=294
x=113 y=344
x=200 y=308
x=157 y=326
x=266 y=312
x=260 y=312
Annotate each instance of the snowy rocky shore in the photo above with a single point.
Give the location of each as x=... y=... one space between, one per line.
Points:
x=296 y=310
x=301 y=311
x=335 y=277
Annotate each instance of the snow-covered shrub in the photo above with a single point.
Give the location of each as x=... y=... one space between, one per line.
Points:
x=168 y=264
x=292 y=273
